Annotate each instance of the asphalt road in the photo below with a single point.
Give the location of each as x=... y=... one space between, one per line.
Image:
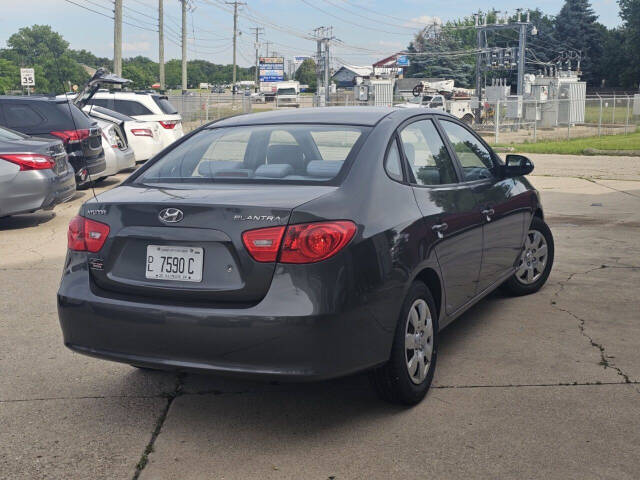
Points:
x=544 y=386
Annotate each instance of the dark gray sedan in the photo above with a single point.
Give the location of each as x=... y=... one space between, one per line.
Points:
x=303 y=245
x=34 y=173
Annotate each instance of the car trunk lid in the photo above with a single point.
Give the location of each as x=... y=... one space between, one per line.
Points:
x=213 y=218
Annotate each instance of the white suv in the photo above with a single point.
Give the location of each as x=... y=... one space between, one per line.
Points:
x=147 y=107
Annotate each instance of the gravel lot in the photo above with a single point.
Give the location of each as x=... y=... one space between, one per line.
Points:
x=545 y=386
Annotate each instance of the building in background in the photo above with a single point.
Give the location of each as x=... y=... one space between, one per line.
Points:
x=345 y=76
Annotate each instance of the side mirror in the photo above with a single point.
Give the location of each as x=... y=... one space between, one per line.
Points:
x=516 y=166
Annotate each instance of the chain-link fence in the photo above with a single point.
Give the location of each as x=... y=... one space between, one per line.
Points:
x=501 y=122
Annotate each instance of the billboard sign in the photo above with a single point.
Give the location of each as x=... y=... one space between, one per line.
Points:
x=271 y=69
x=402 y=61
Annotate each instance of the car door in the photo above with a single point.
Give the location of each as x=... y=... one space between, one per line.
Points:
x=448 y=208
x=502 y=208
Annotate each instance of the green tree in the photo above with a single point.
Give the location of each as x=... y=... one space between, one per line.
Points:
x=630 y=14
x=9 y=76
x=577 y=27
x=306 y=73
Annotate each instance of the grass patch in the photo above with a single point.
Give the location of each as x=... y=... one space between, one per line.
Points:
x=576 y=146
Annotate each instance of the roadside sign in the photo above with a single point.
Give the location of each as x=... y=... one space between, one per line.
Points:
x=27 y=77
x=271 y=69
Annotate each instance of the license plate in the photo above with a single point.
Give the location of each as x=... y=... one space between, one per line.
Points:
x=183 y=264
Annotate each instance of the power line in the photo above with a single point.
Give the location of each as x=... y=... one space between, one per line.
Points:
x=89 y=9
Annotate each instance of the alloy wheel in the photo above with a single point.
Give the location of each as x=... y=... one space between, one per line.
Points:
x=418 y=341
x=533 y=259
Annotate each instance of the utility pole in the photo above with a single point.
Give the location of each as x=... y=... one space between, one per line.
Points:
x=184 y=45
x=235 y=34
x=257 y=30
x=161 y=42
x=266 y=44
x=117 y=37
x=323 y=38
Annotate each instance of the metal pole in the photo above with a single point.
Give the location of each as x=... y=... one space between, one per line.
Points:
x=184 y=46
x=326 y=70
x=117 y=37
x=626 y=122
x=600 y=117
x=257 y=45
x=497 y=121
x=521 y=57
x=235 y=35
x=161 y=42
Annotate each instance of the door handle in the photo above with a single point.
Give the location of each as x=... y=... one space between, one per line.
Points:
x=439 y=229
x=488 y=213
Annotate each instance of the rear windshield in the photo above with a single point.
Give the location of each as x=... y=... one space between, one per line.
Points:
x=6 y=134
x=112 y=113
x=259 y=154
x=165 y=105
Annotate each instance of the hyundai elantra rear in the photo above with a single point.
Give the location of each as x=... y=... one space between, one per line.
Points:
x=236 y=252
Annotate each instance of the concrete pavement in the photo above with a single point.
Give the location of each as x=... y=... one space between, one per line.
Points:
x=537 y=386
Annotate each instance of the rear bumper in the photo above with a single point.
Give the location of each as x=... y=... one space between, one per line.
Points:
x=288 y=335
x=35 y=190
x=87 y=169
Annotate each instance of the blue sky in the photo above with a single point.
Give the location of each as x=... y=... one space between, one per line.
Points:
x=285 y=23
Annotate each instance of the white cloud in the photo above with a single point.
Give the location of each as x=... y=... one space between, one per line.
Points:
x=423 y=20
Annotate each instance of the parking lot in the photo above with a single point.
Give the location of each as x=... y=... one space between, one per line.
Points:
x=544 y=386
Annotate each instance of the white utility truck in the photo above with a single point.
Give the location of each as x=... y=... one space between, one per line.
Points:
x=442 y=95
x=287 y=94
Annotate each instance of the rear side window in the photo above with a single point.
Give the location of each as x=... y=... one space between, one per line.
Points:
x=474 y=158
x=426 y=154
x=131 y=108
x=393 y=163
x=21 y=115
x=165 y=105
x=101 y=102
x=259 y=154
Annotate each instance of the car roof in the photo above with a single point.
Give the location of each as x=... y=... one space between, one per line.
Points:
x=367 y=116
x=32 y=98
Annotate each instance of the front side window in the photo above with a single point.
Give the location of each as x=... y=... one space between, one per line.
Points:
x=474 y=157
x=426 y=154
x=259 y=153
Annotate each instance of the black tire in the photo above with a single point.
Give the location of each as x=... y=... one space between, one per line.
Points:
x=513 y=286
x=148 y=369
x=468 y=119
x=392 y=381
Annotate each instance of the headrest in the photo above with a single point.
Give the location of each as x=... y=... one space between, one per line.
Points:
x=291 y=154
x=274 y=170
x=324 y=168
x=208 y=168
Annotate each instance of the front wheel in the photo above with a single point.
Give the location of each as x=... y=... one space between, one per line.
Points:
x=535 y=262
x=407 y=376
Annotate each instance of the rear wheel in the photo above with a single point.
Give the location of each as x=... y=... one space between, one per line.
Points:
x=535 y=262
x=468 y=119
x=407 y=376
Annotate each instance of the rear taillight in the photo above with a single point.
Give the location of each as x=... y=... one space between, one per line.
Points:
x=312 y=242
x=142 y=132
x=302 y=243
x=169 y=124
x=72 y=136
x=263 y=243
x=86 y=235
x=30 y=161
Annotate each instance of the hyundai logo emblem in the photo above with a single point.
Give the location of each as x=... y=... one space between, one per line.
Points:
x=171 y=215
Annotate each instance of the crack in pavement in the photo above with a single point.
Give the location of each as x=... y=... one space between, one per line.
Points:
x=604 y=359
x=171 y=396
x=174 y=394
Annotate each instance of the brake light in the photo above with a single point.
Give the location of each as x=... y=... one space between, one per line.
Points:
x=86 y=235
x=142 y=132
x=30 y=161
x=72 y=136
x=169 y=124
x=263 y=243
x=312 y=242
x=302 y=243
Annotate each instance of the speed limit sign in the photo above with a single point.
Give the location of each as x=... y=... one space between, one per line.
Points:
x=27 y=77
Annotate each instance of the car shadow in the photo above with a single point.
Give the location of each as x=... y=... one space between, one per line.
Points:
x=26 y=220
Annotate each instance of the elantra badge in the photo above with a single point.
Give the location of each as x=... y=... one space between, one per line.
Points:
x=171 y=215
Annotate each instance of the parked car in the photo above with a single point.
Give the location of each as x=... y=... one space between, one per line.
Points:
x=118 y=155
x=303 y=244
x=142 y=137
x=143 y=106
x=53 y=118
x=34 y=173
